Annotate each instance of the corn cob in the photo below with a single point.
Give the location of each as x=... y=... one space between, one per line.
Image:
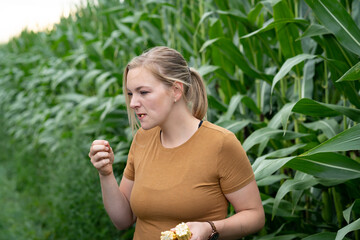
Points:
x=168 y=235
x=182 y=232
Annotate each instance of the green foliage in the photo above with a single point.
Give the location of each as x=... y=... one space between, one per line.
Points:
x=282 y=75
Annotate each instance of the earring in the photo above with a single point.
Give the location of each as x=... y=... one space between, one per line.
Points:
x=175 y=101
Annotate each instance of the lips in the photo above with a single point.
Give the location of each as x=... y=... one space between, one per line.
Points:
x=141 y=115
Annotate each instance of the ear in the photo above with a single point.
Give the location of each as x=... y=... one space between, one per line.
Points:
x=178 y=89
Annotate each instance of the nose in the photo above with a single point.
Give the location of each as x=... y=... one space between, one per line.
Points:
x=134 y=102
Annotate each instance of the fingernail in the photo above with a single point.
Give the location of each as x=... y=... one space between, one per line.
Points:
x=106 y=142
x=106 y=149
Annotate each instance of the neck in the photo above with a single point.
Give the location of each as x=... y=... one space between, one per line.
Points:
x=178 y=128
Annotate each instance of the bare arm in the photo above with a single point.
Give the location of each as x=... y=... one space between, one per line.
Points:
x=249 y=217
x=116 y=199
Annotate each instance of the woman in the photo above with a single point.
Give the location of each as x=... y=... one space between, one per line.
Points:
x=179 y=168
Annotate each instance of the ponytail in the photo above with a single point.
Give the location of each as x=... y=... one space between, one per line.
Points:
x=198 y=97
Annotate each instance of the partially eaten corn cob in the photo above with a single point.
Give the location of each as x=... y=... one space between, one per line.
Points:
x=182 y=232
x=168 y=235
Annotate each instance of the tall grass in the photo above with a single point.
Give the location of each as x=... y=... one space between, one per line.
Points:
x=282 y=75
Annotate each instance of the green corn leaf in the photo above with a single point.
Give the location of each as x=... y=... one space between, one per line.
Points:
x=263 y=134
x=89 y=102
x=352 y=74
x=113 y=10
x=72 y=97
x=296 y=194
x=330 y=182
x=288 y=65
x=286 y=237
x=232 y=125
x=271 y=24
x=233 y=54
x=286 y=33
x=344 y=141
x=327 y=165
x=314 y=30
x=328 y=126
x=349 y=228
x=292 y=185
x=152 y=32
x=282 y=117
x=355 y=207
x=207 y=69
x=321 y=236
x=159 y=2
x=214 y=103
x=130 y=34
x=89 y=77
x=105 y=86
x=336 y=19
x=249 y=103
x=278 y=153
x=203 y=18
x=269 y=166
x=319 y=109
x=109 y=104
x=208 y=43
x=307 y=83
x=101 y=79
x=254 y=13
x=233 y=105
x=62 y=76
x=267 y=181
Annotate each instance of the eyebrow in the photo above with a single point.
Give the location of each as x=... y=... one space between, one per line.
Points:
x=137 y=89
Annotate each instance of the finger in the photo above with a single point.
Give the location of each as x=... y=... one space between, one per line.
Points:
x=100 y=142
x=97 y=148
x=100 y=156
x=101 y=164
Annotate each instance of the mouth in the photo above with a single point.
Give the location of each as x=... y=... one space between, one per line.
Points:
x=141 y=115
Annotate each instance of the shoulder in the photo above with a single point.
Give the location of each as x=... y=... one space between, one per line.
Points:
x=217 y=131
x=225 y=139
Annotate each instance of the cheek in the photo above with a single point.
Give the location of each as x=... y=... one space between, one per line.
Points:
x=159 y=104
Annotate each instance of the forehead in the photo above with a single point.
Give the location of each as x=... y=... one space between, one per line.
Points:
x=141 y=77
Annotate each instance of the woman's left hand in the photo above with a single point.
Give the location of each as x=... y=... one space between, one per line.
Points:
x=199 y=230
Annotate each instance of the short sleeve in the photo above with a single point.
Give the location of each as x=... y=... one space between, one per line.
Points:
x=129 y=171
x=234 y=167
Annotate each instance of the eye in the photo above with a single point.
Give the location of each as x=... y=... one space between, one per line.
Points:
x=130 y=94
x=144 y=92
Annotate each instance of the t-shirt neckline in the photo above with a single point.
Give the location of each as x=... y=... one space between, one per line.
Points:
x=158 y=137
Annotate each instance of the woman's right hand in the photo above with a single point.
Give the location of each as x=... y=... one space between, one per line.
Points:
x=102 y=156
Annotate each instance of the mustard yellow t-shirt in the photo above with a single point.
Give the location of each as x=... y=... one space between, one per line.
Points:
x=185 y=183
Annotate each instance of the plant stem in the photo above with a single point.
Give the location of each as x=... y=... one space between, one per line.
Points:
x=202 y=29
x=283 y=88
x=258 y=93
x=326 y=212
x=325 y=84
x=338 y=206
x=344 y=117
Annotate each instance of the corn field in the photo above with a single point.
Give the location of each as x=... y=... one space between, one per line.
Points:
x=282 y=75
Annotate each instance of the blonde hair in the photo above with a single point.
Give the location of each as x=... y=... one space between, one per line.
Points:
x=169 y=66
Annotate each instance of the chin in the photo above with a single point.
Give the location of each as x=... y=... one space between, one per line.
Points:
x=147 y=126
